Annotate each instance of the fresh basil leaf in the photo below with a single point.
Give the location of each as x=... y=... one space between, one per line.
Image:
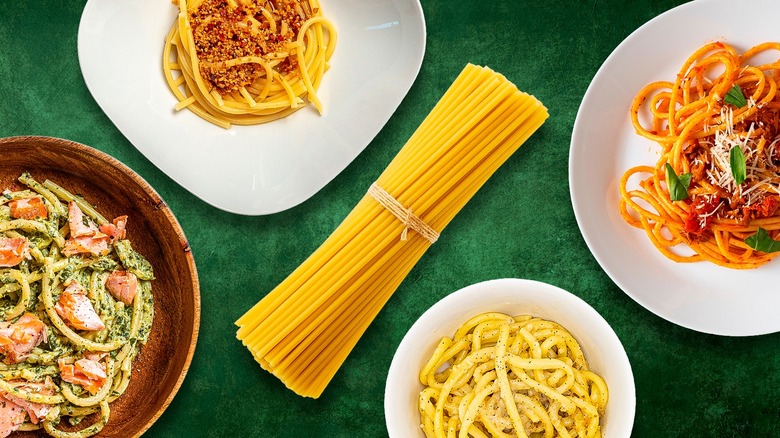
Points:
x=761 y=241
x=738 y=164
x=735 y=97
x=678 y=185
x=685 y=181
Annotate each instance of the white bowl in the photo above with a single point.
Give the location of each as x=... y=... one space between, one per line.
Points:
x=602 y=348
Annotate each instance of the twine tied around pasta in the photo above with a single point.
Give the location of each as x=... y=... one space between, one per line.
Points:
x=403 y=214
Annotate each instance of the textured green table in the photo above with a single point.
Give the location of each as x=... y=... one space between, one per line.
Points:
x=687 y=383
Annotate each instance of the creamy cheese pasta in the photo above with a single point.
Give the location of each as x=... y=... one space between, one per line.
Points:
x=504 y=376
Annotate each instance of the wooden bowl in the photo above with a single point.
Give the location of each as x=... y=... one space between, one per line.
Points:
x=115 y=189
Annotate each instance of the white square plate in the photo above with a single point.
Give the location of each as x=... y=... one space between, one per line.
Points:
x=261 y=169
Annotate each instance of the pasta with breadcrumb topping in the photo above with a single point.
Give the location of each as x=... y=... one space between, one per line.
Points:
x=247 y=62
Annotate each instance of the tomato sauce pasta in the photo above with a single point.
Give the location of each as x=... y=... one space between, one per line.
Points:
x=716 y=186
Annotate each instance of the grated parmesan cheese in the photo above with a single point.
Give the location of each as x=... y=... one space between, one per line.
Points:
x=756 y=186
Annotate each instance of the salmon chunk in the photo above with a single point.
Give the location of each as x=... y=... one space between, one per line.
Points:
x=122 y=285
x=35 y=411
x=12 y=251
x=85 y=237
x=87 y=373
x=11 y=416
x=28 y=208
x=19 y=338
x=75 y=308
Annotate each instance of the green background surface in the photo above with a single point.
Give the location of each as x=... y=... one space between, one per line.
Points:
x=520 y=224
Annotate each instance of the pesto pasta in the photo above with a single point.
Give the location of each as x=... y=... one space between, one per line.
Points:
x=75 y=308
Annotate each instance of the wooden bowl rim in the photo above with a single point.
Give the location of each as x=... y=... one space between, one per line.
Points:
x=147 y=188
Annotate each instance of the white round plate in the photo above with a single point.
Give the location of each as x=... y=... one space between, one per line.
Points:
x=700 y=296
x=262 y=169
x=600 y=345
